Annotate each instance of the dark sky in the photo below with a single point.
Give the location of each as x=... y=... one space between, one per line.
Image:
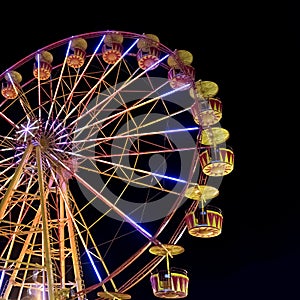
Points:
x=253 y=54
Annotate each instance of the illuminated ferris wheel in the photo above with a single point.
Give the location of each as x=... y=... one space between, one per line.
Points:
x=106 y=141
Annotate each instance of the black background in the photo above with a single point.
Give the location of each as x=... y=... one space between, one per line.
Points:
x=252 y=52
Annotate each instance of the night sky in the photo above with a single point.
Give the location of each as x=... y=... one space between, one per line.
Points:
x=253 y=55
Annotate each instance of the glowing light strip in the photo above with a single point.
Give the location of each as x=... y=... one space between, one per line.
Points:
x=12 y=82
x=16 y=91
x=93 y=265
x=39 y=85
x=1 y=279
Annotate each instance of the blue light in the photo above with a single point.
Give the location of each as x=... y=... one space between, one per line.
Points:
x=100 y=43
x=169 y=177
x=141 y=229
x=94 y=266
x=1 y=279
x=181 y=129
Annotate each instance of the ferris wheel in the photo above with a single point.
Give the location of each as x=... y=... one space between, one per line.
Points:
x=109 y=150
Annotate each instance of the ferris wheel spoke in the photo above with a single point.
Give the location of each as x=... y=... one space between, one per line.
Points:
x=12 y=123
